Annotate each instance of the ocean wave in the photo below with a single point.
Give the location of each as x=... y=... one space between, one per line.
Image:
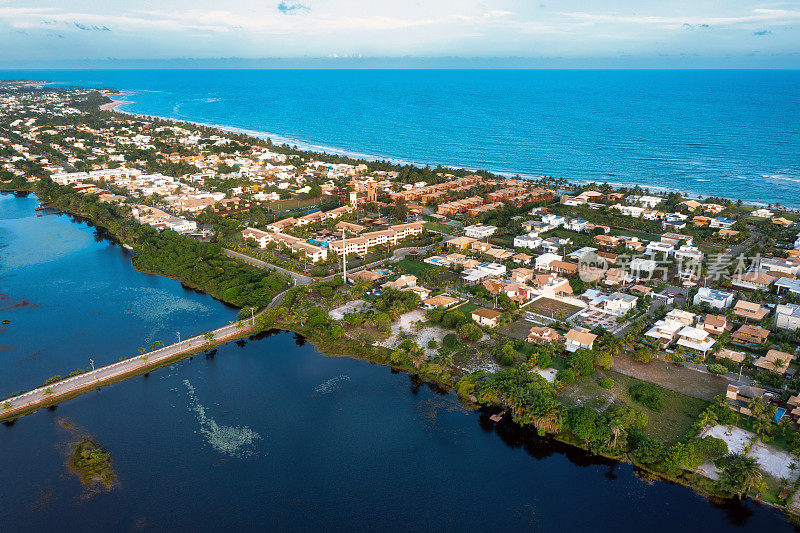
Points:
x=316 y=147
x=783 y=178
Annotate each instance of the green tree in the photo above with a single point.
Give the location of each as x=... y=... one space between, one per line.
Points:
x=738 y=473
x=470 y=331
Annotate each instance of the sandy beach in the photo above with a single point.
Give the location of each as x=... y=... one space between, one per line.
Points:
x=110 y=106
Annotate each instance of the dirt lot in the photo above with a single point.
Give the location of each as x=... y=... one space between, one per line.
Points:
x=673 y=377
x=518 y=329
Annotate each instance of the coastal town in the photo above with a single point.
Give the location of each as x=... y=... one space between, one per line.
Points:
x=626 y=321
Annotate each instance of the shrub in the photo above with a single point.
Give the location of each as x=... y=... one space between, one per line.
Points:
x=432 y=344
x=716 y=368
x=582 y=362
x=54 y=379
x=565 y=375
x=707 y=449
x=606 y=383
x=677 y=358
x=647 y=395
x=450 y=340
x=470 y=331
x=545 y=361
x=643 y=355
x=769 y=379
x=603 y=359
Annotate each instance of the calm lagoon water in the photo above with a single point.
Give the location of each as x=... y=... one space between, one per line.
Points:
x=716 y=132
x=72 y=295
x=268 y=434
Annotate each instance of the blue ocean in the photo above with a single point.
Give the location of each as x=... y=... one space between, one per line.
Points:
x=712 y=133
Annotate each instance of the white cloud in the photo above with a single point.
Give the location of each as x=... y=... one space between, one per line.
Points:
x=203 y=28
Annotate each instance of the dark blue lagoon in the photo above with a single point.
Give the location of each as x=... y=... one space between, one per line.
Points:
x=268 y=434
x=70 y=295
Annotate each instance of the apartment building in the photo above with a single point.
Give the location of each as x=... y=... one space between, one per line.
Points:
x=295 y=244
x=362 y=244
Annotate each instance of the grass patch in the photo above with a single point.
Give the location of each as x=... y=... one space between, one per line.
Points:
x=440 y=227
x=467 y=308
x=416 y=267
x=552 y=308
x=678 y=411
x=293 y=203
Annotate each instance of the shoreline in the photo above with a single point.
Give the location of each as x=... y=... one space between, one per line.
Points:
x=345 y=348
x=112 y=105
x=327 y=150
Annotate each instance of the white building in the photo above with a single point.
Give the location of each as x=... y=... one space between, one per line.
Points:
x=689 y=253
x=695 y=339
x=713 y=298
x=479 y=231
x=576 y=224
x=656 y=247
x=775 y=264
x=553 y=221
x=630 y=210
x=641 y=268
x=787 y=316
x=531 y=240
x=619 y=304
x=543 y=261
x=577 y=255
x=483 y=271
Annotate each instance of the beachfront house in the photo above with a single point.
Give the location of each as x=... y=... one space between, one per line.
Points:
x=619 y=303
x=479 y=231
x=543 y=261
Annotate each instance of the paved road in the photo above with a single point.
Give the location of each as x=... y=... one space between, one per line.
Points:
x=732 y=253
x=126 y=368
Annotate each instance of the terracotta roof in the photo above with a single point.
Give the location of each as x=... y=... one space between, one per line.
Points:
x=715 y=321
x=581 y=337
x=487 y=313
x=737 y=357
x=768 y=361
x=441 y=301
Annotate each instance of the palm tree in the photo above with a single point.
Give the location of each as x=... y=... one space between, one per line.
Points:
x=739 y=474
x=629 y=340
x=708 y=418
x=417 y=357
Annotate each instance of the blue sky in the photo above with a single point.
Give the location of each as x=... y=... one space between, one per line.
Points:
x=47 y=30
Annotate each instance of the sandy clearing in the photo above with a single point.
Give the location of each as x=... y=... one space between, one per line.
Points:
x=772 y=461
x=406 y=324
x=547 y=373
x=349 y=307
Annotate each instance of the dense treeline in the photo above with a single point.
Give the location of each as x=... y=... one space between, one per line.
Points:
x=197 y=264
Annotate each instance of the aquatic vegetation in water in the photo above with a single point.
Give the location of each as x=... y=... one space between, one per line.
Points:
x=154 y=305
x=89 y=461
x=92 y=463
x=332 y=385
x=229 y=440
